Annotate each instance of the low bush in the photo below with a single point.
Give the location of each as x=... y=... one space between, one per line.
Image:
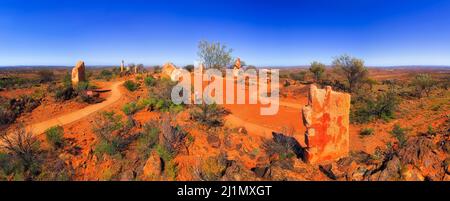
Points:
x=300 y=76
x=55 y=136
x=12 y=108
x=400 y=134
x=46 y=76
x=16 y=82
x=111 y=132
x=24 y=154
x=148 y=139
x=210 y=115
x=150 y=81
x=423 y=84
x=131 y=85
x=365 y=109
x=130 y=108
x=106 y=75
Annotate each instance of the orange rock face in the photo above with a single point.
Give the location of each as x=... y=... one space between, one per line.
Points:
x=326 y=118
x=78 y=73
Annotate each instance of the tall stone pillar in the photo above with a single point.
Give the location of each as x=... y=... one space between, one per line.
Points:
x=326 y=118
x=78 y=73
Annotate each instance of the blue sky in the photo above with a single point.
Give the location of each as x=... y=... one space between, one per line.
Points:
x=382 y=32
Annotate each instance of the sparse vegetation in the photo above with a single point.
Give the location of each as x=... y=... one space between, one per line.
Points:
x=423 y=84
x=210 y=115
x=148 y=138
x=400 y=134
x=106 y=74
x=111 y=133
x=55 y=137
x=317 y=69
x=131 y=85
x=23 y=154
x=352 y=69
x=149 y=81
x=366 y=108
x=130 y=108
x=300 y=76
x=46 y=76
x=11 y=109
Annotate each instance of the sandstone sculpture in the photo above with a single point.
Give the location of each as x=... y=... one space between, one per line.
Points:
x=78 y=73
x=169 y=71
x=122 y=66
x=237 y=66
x=326 y=118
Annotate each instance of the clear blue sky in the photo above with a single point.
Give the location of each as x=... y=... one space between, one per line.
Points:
x=382 y=32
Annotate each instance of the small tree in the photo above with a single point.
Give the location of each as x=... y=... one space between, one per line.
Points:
x=214 y=55
x=317 y=69
x=352 y=69
x=423 y=83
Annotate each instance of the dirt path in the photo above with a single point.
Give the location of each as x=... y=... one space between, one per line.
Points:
x=41 y=127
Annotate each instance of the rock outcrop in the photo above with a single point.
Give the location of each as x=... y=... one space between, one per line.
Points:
x=326 y=118
x=78 y=73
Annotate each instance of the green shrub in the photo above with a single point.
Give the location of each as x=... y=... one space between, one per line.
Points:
x=400 y=134
x=210 y=115
x=148 y=139
x=130 y=108
x=105 y=147
x=111 y=132
x=165 y=154
x=423 y=83
x=368 y=109
x=55 y=136
x=300 y=76
x=131 y=85
x=366 y=132
x=171 y=170
x=16 y=82
x=83 y=86
x=46 y=75
x=106 y=74
x=150 y=81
